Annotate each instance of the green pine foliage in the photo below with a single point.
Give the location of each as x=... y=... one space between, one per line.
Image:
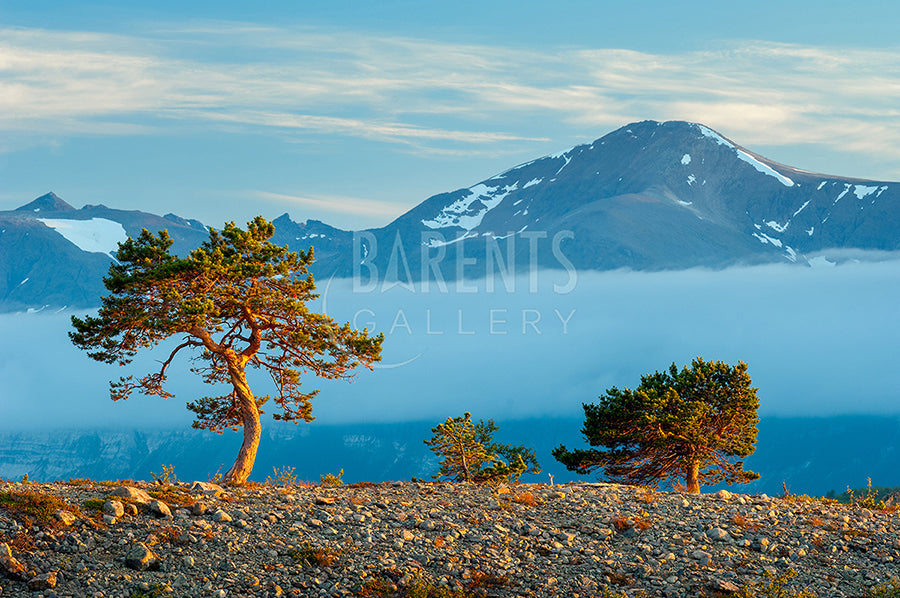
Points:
x=237 y=301
x=469 y=454
x=695 y=425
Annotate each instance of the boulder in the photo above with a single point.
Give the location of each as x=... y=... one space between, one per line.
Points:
x=113 y=508
x=10 y=566
x=221 y=516
x=46 y=581
x=135 y=494
x=141 y=558
x=67 y=518
x=207 y=487
x=160 y=509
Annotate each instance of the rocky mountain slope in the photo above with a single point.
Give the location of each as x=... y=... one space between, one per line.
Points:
x=420 y=539
x=53 y=256
x=649 y=196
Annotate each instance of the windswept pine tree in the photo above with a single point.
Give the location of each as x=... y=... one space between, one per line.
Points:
x=695 y=425
x=238 y=301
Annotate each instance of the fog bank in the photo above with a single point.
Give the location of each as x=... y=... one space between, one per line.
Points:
x=818 y=342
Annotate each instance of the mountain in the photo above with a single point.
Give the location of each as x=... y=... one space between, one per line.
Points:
x=54 y=256
x=649 y=196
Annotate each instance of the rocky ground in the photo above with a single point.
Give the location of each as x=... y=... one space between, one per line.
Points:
x=452 y=540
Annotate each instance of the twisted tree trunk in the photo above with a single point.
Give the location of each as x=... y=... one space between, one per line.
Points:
x=243 y=464
x=692 y=477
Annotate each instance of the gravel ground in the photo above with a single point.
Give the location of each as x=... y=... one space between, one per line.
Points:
x=198 y=540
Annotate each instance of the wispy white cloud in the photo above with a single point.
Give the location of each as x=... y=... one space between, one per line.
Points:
x=335 y=204
x=436 y=96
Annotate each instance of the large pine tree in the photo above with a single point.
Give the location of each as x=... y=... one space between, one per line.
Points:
x=695 y=425
x=237 y=301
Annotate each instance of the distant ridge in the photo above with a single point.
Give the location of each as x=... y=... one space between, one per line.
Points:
x=49 y=202
x=649 y=196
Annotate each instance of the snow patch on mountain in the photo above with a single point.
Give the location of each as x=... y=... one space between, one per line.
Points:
x=843 y=193
x=741 y=154
x=790 y=254
x=764 y=238
x=801 y=208
x=764 y=168
x=465 y=213
x=861 y=190
x=567 y=159
x=778 y=227
x=531 y=183
x=686 y=159
x=97 y=235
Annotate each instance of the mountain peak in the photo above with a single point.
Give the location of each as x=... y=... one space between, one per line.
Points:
x=49 y=202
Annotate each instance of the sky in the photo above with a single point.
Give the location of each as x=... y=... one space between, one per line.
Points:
x=354 y=112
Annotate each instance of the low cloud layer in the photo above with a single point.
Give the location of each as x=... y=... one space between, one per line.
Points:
x=818 y=342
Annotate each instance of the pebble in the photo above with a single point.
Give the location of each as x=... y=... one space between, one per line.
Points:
x=583 y=539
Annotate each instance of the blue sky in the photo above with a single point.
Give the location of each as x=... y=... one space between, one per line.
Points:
x=354 y=112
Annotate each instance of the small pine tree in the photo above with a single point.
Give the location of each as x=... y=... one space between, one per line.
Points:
x=470 y=455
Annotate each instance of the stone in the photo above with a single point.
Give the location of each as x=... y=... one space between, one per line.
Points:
x=141 y=558
x=45 y=581
x=135 y=494
x=723 y=494
x=10 y=566
x=718 y=534
x=67 y=518
x=702 y=557
x=221 y=516
x=113 y=508
x=325 y=500
x=207 y=487
x=160 y=509
x=724 y=586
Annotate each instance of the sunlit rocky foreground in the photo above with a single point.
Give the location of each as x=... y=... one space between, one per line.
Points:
x=396 y=539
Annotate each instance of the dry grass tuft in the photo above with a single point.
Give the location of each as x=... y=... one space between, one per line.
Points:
x=166 y=535
x=486 y=580
x=526 y=498
x=742 y=522
x=310 y=556
x=34 y=508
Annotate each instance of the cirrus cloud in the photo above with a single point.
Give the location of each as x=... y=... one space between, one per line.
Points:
x=428 y=96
